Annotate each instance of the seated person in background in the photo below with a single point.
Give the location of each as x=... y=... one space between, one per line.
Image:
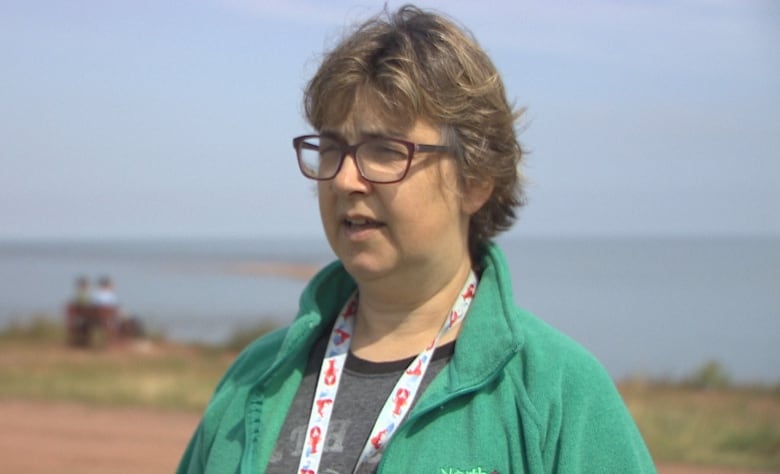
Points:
x=105 y=302
x=77 y=316
x=96 y=311
x=82 y=296
x=104 y=295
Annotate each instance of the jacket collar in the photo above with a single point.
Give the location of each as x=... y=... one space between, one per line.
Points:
x=318 y=307
x=490 y=334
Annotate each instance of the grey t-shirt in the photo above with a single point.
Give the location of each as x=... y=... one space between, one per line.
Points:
x=362 y=392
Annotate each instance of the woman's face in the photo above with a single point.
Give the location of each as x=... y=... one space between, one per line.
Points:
x=412 y=228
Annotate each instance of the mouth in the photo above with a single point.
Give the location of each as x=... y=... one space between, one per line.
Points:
x=361 y=223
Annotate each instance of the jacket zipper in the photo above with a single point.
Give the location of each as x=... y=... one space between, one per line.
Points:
x=282 y=358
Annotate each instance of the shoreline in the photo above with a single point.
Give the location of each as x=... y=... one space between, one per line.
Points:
x=296 y=271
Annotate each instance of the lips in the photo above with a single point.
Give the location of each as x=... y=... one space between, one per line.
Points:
x=361 y=223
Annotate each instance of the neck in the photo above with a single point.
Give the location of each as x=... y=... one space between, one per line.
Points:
x=393 y=325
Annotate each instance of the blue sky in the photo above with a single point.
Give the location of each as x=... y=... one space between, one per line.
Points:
x=143 y=119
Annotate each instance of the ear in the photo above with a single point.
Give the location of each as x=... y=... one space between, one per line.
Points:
x=476 y=194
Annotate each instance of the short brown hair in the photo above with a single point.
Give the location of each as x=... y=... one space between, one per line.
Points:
x=420 y=64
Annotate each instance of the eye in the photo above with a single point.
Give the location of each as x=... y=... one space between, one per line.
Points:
x=385 y=150
x=329 y=148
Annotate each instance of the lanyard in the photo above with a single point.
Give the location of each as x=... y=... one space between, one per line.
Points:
x=398 y=402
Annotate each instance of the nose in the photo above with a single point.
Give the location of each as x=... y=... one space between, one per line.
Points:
x=348 y=177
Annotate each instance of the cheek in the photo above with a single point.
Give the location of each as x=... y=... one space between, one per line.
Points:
x=429 y=208
x=326 y=205
x=323 y=194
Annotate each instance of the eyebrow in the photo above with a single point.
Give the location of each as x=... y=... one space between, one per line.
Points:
x=364 y=134
x=332 y=134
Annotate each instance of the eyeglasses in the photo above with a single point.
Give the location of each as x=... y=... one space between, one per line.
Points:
x=379 y=160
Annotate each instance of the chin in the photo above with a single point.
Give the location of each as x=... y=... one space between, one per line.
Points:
x=364 y=267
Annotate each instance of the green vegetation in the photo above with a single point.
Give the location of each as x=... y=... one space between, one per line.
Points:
x=703 y=419
x=245 y=335
x=40 y=330
x=735 y=427
x=708 y=376
x=36 y=364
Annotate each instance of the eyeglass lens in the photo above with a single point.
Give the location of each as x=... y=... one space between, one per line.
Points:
x=379 y=160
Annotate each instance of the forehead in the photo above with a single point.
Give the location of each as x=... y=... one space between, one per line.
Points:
x=367 y=113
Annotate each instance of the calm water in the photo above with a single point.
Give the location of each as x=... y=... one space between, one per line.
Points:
x=643 y=306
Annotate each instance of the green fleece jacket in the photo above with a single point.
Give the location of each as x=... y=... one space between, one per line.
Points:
x=516 y=397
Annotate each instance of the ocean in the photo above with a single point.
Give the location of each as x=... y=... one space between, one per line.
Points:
x=656 y=307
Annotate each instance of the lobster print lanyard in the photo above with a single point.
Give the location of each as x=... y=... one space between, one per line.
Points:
x=398 y=402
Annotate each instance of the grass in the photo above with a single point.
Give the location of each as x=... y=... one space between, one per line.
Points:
x=36 y=364
x=736 y=427
x=703 y=420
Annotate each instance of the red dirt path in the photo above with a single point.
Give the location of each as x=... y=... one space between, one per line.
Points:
x=67 y=438
x=38 y=438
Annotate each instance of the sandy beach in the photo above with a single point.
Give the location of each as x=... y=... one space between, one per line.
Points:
x=297 y=271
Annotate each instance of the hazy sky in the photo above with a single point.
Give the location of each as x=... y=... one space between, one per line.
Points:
x=123 y=118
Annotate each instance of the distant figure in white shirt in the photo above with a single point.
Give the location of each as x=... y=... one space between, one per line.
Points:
x=104 y=295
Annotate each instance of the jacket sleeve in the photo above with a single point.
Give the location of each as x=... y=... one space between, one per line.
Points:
x=200 y=455
x=190 y=461
x=591 y=429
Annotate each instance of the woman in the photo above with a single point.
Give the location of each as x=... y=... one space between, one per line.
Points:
x=408 y=353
